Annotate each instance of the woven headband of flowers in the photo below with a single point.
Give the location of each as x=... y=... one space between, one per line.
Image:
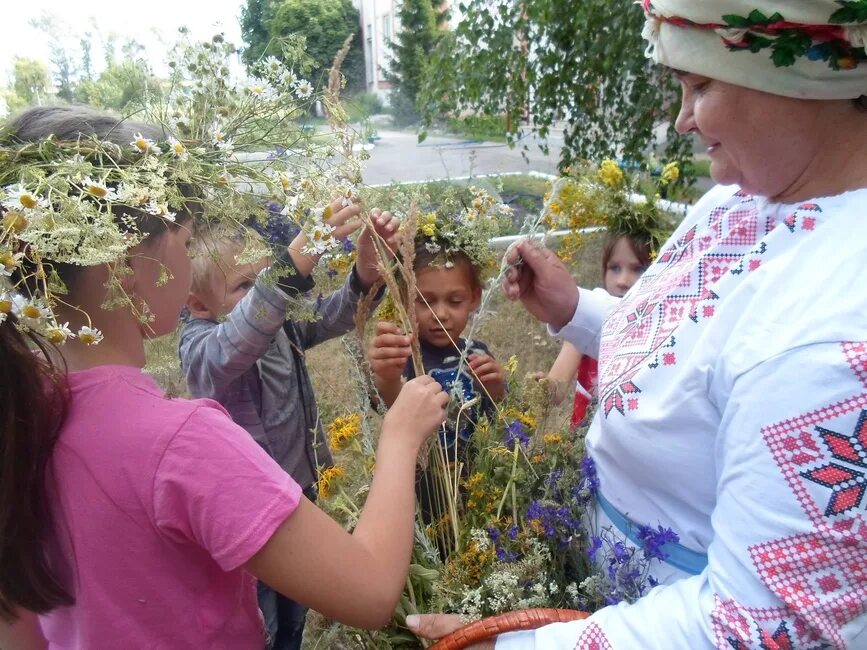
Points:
x=465 y=231
x=64 y=202
x=589 y=196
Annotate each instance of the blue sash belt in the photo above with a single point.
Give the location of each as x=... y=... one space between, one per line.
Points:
x=679 y=556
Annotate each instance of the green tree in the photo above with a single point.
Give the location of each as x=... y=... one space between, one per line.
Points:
x=256 y=18
x=325 y=24
x=119 y=86
x=421 y=23
x=548 y=60
x=31 y=84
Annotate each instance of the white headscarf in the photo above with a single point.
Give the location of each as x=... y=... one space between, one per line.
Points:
x=810 y=49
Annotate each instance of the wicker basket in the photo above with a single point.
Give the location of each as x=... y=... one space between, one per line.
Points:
x=488 y=628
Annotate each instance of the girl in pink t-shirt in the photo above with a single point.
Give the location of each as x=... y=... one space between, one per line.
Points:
x=132 y=520
x=624 y=259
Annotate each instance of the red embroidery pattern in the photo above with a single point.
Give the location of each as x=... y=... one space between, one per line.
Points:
x=822 y=454
x=678 y=291
x=771 y=628
x=593 y=638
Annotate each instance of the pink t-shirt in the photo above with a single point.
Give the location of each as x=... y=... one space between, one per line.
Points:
x=160 y=503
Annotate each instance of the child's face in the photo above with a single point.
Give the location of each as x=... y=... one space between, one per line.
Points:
x=623 y=269
x=229 y=282
x=452 y=294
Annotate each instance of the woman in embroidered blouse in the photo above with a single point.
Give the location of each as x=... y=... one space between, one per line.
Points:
x=733 y=377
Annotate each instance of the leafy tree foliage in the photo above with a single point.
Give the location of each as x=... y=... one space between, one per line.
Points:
x=421 y=23
x=549 y=60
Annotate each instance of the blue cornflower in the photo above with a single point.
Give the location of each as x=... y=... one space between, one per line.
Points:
x=348 y=246
x=494 y=533
x=505 y=556
x=512 y=532
x=515 y=432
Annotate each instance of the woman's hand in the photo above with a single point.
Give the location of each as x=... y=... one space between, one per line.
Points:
x=436 y=626
x=385 y=227
x=540 y=280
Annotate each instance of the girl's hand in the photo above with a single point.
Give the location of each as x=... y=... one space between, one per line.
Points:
x=389 y=351
x=419 y=410
x=385 y=227
x=490 y=374
x=436 y=626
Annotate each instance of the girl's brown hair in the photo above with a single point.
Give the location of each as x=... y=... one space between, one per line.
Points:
x=33 y=396
x=640 y=248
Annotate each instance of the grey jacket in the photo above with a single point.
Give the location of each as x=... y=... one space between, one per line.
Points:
x=253 y=364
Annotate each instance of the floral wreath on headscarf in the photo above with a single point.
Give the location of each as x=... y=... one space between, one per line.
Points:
x=838 y=43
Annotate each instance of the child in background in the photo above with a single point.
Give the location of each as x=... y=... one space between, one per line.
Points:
x=146 y=518
x=238 y=348
x=624 y=259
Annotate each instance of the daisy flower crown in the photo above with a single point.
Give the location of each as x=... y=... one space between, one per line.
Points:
x=216 y=149
x=466 y=231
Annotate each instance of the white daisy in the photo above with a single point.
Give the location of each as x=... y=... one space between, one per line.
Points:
x=288 y=78
x=144 y=145
x=98 y=189
x=177 y=148
x=272 y=65
x=89 y=335
x=303 y=89
x=260 y=89
x=19 y=197
x=9 y=262
x=59 y=333
x=32 y=312
x=319 y=239
x=160 y=210
x=217 y=134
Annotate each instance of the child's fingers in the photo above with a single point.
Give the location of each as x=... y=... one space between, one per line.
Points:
x=384 y=352
x=386 y=327
x=391 y=341
x=490 y=378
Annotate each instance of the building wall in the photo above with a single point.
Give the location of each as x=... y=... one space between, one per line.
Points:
x=378 y=26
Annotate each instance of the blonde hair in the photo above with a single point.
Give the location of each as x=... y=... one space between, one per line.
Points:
x=208 y=250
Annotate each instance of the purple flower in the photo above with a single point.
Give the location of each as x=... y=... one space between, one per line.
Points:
x=348 y=246
x=621 y=553
x=516 y=433
x=494 y=533
x=654 y=541
x=505 y=556
x=512 y=532
x=595 y=545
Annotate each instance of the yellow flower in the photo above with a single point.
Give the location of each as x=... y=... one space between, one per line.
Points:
x=552 y=438
x=610 y=173
x=327 y=477
x=670 y=173
x=512 y=364
x=343 y=429
x=5 y=305
x=428 y=230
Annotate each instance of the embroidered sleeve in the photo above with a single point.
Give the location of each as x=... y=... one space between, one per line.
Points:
x=786 y=564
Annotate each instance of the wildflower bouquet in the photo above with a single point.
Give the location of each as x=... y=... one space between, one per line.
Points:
x=605 y=196
x=223 y=146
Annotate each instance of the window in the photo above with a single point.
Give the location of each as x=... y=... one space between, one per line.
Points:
x=386 y=28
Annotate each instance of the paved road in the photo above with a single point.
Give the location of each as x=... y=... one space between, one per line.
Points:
x=397 y=156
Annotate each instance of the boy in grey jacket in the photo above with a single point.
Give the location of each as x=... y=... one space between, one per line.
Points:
x=238 y=347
